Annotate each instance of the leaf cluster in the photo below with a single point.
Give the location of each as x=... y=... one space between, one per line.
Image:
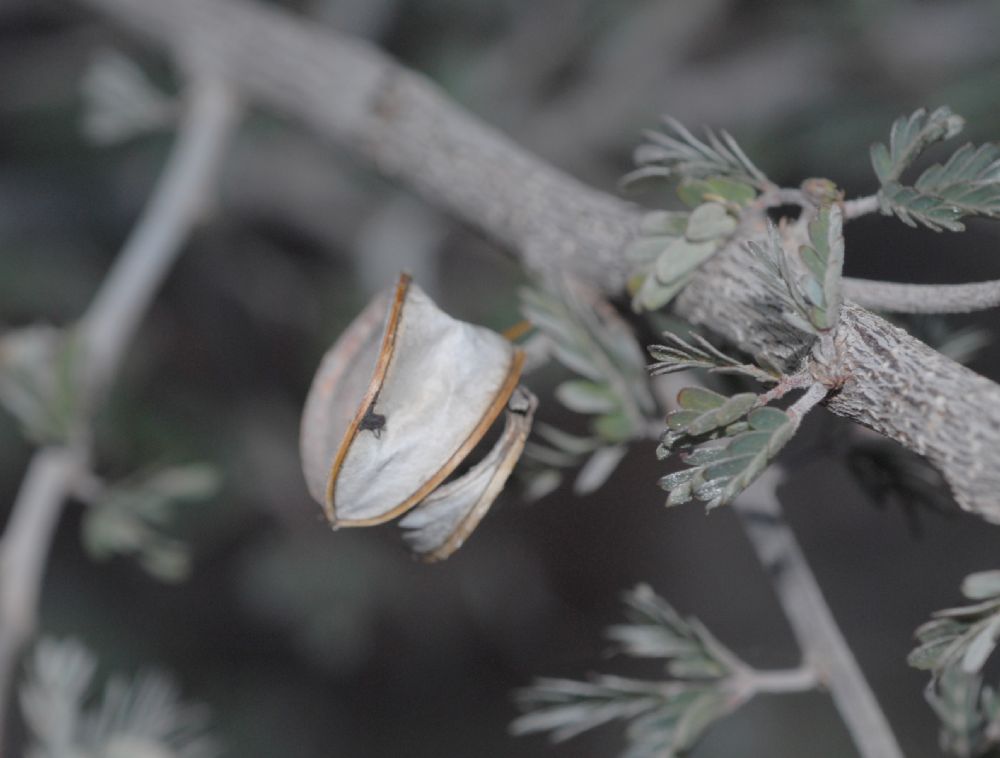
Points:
x=677 y=154
x=955 y=646
x=38 y=381
x=670 y=248
x=131 y=518
x=716 y=180
x=967 y=184
x=665 y=718
x=120 y=102
x=965 y=636
x=589 y=338
x=733 y=443
x=141 y=717
x=699 y=353
x=969 y=712
x=808 y=283
x=554 y=451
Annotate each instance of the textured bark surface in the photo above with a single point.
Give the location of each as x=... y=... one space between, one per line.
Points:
x=350 y=92
x=894 y=383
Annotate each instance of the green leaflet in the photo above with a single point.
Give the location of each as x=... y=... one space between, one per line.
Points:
x=676 y=152
x=596 y=343
x=969 y=180
x=593 y=342
x=584 y=396
x=680 y=355
x=653 y=295
x=708 y=222
x=614 y=427
x=132 y=518
x=719 y=472
x=913 y=208
x=967 y=184
x=808 y=284
x=910 y=136
x=665 y=717
x=982 y=585
x=39 y=380
x=716 y=179
x=681 y=257
x=668 y=257
x=955 y=646
x=703 y=411
x=670 y=223
x=824 y=263
x=694 y=192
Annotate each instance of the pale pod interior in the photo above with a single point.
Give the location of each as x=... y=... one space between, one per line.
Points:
x=398 y=402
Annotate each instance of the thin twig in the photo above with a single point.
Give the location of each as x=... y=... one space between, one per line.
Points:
x=923 y=298
x=107 y=327
x=812 y=622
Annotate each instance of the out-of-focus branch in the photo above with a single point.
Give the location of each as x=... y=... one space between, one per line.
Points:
x=923 y=298
x=175 y=206
x=813 y=624
x=23 y=552
x=106 y=329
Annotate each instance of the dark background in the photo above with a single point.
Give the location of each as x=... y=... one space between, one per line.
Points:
x=308 y=643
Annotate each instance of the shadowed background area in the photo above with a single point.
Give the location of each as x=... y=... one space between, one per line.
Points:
x=311 y=643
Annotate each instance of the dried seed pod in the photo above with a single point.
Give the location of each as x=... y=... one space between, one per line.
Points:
x=398 y=402
x=439 y=525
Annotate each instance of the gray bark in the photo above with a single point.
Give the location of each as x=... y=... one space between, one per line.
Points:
x=353 y=94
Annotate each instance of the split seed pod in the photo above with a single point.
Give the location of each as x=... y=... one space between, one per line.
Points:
x=397 y=404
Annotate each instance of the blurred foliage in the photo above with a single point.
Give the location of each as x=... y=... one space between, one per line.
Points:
x=954 y=646
x=311 y=644
x=142 y=718
x=666 y=718
x=587 y=336
x=129 y=518
x=39 y=380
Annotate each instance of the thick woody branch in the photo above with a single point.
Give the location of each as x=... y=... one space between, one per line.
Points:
x=106 y=328
x=350 y=92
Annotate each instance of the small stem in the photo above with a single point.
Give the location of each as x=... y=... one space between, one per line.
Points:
x=786 y=384
x=788 y=196
x=812 y=397
x=860 y=206
x=923 y=298
x=801 y=679
x=747 y=682
x=812 y=622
